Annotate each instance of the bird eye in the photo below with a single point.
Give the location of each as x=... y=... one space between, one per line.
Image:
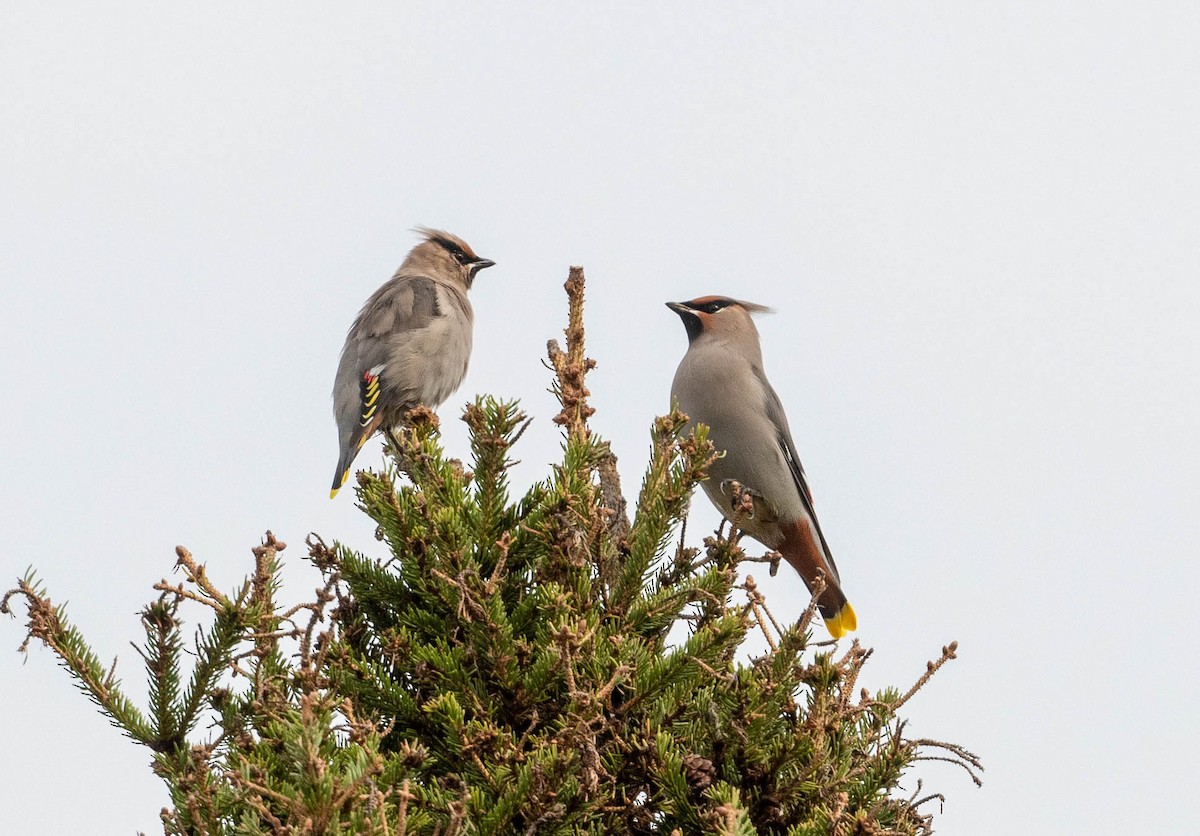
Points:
x=713 y=307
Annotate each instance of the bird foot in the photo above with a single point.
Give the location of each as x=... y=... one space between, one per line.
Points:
x=741 y=498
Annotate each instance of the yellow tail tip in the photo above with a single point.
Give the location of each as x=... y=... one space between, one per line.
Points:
x=843 y=622
x=345 y=476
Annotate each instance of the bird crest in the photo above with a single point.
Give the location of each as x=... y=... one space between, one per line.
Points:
x=457 y=247
x=712 y=304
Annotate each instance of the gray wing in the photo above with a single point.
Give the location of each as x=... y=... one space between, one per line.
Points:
x=783 y=435
x=401 y=308
x=390 y=321
x=385 y=330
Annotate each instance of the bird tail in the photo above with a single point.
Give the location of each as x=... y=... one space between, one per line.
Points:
x=842 y=620
x=342 y=473
x=353 y=445
x=803 y=550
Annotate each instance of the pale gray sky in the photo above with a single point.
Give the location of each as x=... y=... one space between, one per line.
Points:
x=977 y=221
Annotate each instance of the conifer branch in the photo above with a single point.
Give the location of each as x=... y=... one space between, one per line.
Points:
x=48 y=624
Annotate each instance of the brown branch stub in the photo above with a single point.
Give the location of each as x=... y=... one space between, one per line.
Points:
x=264 y=570
x=571 y=366
x=195 y=574
x=612 y=496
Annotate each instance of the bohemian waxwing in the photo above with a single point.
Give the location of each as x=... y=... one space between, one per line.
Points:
x=409 y=345
x=720 y=383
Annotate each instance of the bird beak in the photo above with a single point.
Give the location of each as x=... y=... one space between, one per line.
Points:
x=691 y=319
x=481 y=264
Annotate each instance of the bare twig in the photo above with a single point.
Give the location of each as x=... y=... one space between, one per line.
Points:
x=756 y=601
x=948 y=653
x=196 y=574
x=571 y=367
x=958 y=756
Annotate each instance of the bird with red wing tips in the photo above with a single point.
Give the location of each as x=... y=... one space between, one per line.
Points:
x=409 y=345
x=720 y=383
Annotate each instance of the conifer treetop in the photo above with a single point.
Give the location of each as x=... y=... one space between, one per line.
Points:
x=500 y=663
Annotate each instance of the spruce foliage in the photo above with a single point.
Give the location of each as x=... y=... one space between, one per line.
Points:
x=533 y=663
